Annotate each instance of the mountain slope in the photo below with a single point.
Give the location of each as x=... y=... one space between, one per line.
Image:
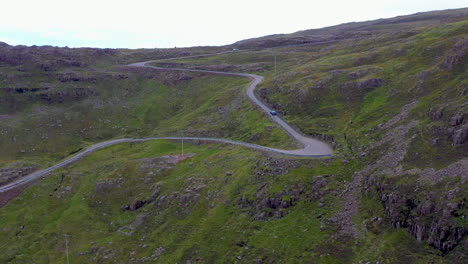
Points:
x=390 y=95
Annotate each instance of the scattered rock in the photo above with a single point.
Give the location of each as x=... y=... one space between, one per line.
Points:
x=91 y=251
x=457 y=119
x=103 y=185
x=54 y=96
x=457 y=55
x=436 y=114
x=460 y=136
x=158 y=252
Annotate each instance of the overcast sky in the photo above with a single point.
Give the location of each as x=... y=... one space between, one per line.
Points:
x=169 y=23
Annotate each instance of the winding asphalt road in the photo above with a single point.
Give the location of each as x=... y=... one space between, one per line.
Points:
x=312 y=148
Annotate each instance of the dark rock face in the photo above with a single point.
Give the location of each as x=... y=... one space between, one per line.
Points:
x=457 y=119
x=460 y=135
x=457 y=56
x=430 y=219
x=267 y=206
x=458 y=131
x=134 y=206
x=435 y=114
x=156 y=190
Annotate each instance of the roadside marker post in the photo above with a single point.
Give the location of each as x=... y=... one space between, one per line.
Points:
x=66 y=246
x=182 y=132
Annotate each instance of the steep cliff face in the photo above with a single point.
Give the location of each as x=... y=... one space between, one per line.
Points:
x=435 y=217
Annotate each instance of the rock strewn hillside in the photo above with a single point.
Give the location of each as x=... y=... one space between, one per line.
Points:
x=390 y=95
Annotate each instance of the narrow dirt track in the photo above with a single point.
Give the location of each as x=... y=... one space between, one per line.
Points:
x=312 y=148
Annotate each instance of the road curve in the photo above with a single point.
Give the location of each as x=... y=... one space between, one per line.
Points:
x=312 y=148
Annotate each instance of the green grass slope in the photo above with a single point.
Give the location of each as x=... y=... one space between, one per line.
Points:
x=395 y=101
x=79 y=108
x=217 y=204
x=390 y=95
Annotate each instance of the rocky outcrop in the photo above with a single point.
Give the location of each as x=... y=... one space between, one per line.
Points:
x=365 y=85
x=459 y=135
x=156 y=190
x=457 y=119
x=72 y=76
x=267 y=205
x=134 y=206
x=457 y=56
x=427 y=218
x=273 y=167
x=102 y=186
x=153 y=166
x=458 y=131
x=436 y=113
x=54 y=96
x=428 y=203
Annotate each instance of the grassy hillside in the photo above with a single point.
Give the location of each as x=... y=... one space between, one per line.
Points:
x=48 y=115
x=215 y=204
x=395 y=101
x=390 y=95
